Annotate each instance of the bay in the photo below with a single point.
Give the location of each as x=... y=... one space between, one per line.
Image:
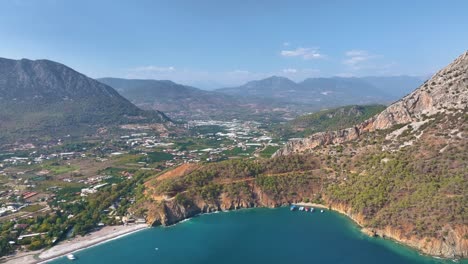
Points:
x=259 y=235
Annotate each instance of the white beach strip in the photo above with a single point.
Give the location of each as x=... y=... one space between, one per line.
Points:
x=105 y=234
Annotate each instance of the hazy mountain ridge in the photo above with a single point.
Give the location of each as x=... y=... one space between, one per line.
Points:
x=275 y=96
x=171 y=98
x=397 y=86
x=333 y=91
x=190 y=103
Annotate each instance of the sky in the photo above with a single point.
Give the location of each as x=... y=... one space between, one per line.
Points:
x=216 y=43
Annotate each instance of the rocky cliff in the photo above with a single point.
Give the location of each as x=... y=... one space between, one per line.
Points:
x=445 y=92
x=455 y=244
x=170 y=210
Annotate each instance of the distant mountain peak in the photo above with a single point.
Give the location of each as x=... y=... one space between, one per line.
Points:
x=272 y=80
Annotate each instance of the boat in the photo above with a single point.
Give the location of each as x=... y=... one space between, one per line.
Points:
x=306 y=209
x=71 y=257
x=293 y=207
x=301 y=208
x=321 y=211
x=312 y=210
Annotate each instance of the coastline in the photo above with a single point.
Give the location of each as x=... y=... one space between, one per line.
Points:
x=65 y=247
x=110 y=233
x=382 y=235
x=356 y=219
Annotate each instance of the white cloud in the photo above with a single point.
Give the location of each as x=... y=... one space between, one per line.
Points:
x=154 y=69
x=286 y=44
x=358 y=59
x=289 y=70
x=304 y=53
x=362 y=62
x=354 y=53
x=239 y=72
x=355 y=57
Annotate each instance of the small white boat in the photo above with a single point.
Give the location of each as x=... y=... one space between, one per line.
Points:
x=321 y=211
x=71 y=257
x=301 y=208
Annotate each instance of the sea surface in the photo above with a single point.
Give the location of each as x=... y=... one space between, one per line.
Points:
x=253 y=236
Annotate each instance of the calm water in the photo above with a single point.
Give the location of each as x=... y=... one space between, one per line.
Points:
x=253 y=236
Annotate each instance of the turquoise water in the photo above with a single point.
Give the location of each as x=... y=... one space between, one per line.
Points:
x=253 y=236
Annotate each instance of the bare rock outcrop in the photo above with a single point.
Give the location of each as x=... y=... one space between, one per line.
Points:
x=446 y=91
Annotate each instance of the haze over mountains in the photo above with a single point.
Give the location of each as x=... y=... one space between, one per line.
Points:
x=332 y=91
x=273 y=94
x=45 y=96
x=175 y=99
x=42 y=94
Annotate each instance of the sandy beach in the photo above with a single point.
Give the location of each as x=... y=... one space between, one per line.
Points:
x=68 y=246
x=311 y=205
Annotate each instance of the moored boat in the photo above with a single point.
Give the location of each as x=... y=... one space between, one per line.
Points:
x=71 y=257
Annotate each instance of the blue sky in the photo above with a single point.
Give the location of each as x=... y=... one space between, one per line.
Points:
x=222 y=43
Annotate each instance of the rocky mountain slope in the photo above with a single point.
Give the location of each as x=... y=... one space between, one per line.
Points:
x=46 y=97
x=445 y=92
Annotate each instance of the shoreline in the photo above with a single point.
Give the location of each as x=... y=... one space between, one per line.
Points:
x=94 y=239
x=365 y=231
x=315 y=205
x=76 y=244
x=330 y=207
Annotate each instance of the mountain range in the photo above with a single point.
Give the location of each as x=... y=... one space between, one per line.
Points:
x=176 y=100
x=46 y=97
x=43 y=95
x=275 y=96
x=327 y=92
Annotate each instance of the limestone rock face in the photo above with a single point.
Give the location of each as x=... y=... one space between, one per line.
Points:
x=453 y=245
x=446 y=91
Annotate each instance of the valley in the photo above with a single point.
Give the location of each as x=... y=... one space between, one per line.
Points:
x=399 y=171
x=206 y=132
